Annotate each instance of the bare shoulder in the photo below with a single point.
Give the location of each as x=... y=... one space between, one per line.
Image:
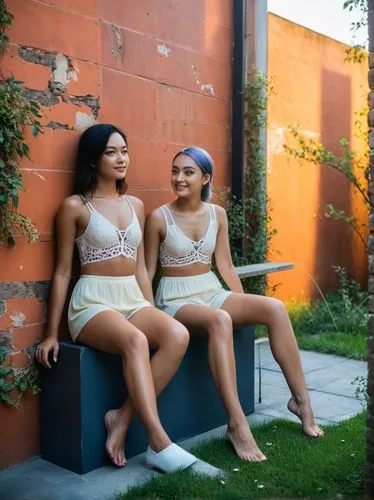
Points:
x=135 y=202
x=71 y=206
x=137 y=205
x=156 y=218
x=220 y=212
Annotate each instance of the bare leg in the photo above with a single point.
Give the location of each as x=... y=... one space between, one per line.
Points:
x=245 y=309
x=170 y=338
x=218 y=324
x=109 y=332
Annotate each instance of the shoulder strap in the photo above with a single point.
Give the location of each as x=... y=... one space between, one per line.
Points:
x=212 y=212
x=86 y=202
x=130 y=204
x=167 y=214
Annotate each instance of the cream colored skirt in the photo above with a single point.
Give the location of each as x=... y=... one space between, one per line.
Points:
x=94 y=294
x=203 y=289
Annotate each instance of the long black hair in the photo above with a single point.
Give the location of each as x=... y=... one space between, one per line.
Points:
x=205 y=162
x=91 y=146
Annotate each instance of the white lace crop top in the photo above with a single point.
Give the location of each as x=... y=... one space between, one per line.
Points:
x=178 y=250
x=102 y=240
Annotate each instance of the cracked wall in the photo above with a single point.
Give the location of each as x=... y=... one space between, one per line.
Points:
x=159 y=70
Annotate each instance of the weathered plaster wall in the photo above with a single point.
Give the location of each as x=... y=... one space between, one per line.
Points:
x=159 y=69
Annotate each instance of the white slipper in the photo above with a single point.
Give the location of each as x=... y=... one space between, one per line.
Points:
x=170 y=459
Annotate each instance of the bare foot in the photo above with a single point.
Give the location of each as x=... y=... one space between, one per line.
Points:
x=244 y=443
x=115 y=442
x=305 y=413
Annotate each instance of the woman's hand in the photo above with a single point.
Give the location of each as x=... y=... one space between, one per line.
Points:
x=43 y=350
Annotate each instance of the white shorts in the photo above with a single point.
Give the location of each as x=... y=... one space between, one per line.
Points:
x=94 y=294
x=203 y=289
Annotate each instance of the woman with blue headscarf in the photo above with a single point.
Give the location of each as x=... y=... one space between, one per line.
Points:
x=183 y=235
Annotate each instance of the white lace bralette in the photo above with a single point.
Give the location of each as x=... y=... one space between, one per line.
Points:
x=102 y=240
x=178 y=250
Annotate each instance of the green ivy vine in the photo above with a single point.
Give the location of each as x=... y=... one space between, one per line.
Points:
x=250 y=218
x=15 y=382
x=16 y=112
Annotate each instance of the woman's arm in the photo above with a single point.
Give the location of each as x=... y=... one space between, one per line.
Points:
x=153 y=234
x=65 y=236
x=141 y=271
x=222 y=254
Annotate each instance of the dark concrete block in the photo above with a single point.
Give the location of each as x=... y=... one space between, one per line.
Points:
x=85 y=383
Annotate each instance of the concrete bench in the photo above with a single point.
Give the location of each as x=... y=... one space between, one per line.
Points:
x=85 y=383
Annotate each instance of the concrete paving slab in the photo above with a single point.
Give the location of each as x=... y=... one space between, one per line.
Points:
x=339 y=381
x=35 y=470
x=101 y=484
x=310 y=360
x=327 y=407
x=270 y=377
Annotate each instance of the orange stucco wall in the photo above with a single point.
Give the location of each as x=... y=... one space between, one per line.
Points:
x=161 y=71
x=317 y=89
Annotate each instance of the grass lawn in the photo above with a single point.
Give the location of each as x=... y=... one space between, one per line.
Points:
x=334 y=324
x=350 y=344
x=297 y=467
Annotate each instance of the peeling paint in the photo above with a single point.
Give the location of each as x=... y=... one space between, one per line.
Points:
x=44 y=97
x=60 y=73
x=18 y=320
x=6 y=339
x=194 y=72
x=57 y=125
x=38 y=56
x=83 y=120
x=73 y=72
x=163 y=50
x=311 y=134
x=207 y=87
x=276 y=139
x=89 y=101
x=21 y=289
x=117 y=43
x=63 y=73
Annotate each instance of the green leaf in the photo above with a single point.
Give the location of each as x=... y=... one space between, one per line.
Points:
x=4 y=198
x=35 y=130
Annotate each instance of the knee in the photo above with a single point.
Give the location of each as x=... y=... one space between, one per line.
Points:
x=178 y=337
x=135 y=344
x=277 y=309
x=220 y=325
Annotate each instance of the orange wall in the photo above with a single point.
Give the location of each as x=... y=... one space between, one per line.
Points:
x=316 y=89
x=161 y=71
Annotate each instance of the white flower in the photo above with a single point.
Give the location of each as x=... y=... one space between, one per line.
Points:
x=260 y=486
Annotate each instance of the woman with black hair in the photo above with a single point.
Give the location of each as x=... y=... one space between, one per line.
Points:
x=184 y=235
x=111 y=307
